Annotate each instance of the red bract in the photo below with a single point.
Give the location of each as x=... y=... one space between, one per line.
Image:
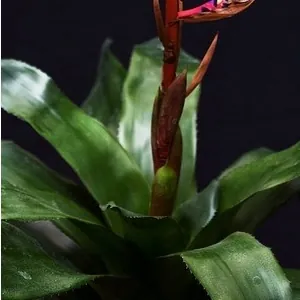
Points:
x=211 y=11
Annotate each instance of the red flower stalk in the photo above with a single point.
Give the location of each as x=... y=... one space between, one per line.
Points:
x=168 y=106
x=166 y=138
x=172 y=47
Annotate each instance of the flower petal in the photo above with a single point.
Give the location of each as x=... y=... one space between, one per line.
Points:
x=204 y=8
x=209 y=12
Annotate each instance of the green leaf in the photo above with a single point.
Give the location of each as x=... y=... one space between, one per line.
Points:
x=101 y=163
x=154 y=235
x=264 y=173
x=246 y=216
x=262 y=181
x=193 y=215
x=118 y=256
x=294 y=277
x=37 y=193
x=28 y=272
x=237 y=268
x=140 y=88
x=247 y=158
x=104 y=100
x=31 y=191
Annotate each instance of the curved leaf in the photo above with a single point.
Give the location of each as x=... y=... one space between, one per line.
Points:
x=247 y=158
x=118 y=256
x=21 y=168
x=264 y=173
x=104 y=100
x=67 y=252
x=294 y=277
x=263 y=181
x=101 y=163
x=237 y=268
x=31 y=191
x=154 y=235
x=140 y=88
x=19 y=204
x=246 y=216
x=28 y=272
x=194 y=214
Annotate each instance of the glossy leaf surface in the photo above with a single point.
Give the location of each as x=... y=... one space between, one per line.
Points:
x=264 y=173
x=194 y=214
x=247 y=158
x=98 y=242
x=28 y=272
x=276 y=181
x=154 y=235
x=102 y=164
x=294 y=277
x=104 y=101
x=31 y=191
x=140 y=88
x=237 y=268
x=246 y=216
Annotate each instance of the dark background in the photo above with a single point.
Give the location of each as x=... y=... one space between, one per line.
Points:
x=250 y=96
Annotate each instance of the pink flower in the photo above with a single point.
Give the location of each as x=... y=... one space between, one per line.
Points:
x=214 y=10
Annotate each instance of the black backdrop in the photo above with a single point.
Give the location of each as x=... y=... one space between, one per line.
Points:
x=250 y=96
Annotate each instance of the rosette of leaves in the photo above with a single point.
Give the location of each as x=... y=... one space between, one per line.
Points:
x=205 y=249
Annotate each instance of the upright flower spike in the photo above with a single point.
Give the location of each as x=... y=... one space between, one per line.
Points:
x=167 y=145
x=213 y=10
x=168 y=118
x=166 y=136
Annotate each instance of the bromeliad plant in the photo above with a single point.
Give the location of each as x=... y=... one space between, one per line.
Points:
x=140 y=229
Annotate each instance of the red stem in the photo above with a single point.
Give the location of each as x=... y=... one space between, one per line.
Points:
x=162 y=202
x=171 y=51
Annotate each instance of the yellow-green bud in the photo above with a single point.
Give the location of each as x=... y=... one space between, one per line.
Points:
x=165 y=181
